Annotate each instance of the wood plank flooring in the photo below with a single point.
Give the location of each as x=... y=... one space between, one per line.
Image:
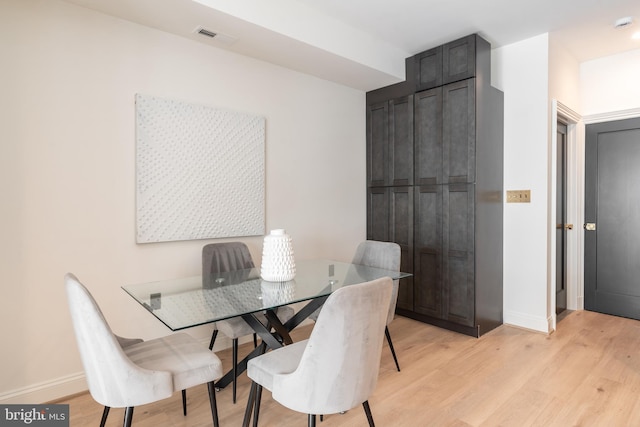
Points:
x=587 y=373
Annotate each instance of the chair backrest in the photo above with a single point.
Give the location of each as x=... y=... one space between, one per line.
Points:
x=113 y=379
x=339 y=367
x=385 y=255
x=222 y=257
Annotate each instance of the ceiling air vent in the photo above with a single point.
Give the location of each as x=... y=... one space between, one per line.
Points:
x=215 y=36
x=623 y=22
x=205 y=32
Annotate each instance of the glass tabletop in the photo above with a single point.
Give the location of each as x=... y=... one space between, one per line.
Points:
x=192 y=301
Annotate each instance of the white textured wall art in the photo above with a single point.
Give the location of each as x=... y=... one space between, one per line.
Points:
x=199 y=171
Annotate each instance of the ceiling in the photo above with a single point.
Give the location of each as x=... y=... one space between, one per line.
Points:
x=363 y=43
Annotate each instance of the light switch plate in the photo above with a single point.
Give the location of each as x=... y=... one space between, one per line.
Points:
x=518 y=196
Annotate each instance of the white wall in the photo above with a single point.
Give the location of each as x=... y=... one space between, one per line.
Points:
x=68 y=80
x=610 y=84
x=520 y=70
x=564 y=76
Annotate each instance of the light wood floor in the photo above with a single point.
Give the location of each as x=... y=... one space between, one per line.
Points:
x=587 y=373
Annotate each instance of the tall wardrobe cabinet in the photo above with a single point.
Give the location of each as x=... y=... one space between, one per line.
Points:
x=435 y=184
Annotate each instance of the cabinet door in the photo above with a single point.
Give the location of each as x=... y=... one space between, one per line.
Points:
x=459 y=59
x=378 y=214
x=458 y=247
x=459 y=131
x=428 y=289
x=428 y=136
x=377 y=144
x=401 y=232
x=428 y=67
x=390 y=219
x=401 y=141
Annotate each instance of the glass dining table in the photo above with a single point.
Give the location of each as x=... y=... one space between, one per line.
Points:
x=192 y=301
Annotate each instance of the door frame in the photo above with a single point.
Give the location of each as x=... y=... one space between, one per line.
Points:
x=575 y=201
x=575 y=210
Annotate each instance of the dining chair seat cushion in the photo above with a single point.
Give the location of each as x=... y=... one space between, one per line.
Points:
x=189 y=362
x=284 y=361
x=236 y=327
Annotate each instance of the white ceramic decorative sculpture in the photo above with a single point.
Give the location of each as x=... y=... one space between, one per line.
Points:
x=278 y=264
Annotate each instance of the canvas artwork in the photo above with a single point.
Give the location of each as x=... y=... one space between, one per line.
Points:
x=199 y=171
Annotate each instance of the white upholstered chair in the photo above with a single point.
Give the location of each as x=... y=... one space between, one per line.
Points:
x=224 y=257
x=336 y=369
x=125 y=373
x=385 y=255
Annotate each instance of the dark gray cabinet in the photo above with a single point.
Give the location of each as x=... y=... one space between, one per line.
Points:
x=428 y=249
x=378 y=213
x=390 y=219
x=428 y=136
x=454 y=61
x=390 y=151
x=459 y=58
x=452 y=239
x=428 y=66
x=401 y=232
x=445 y=165
x=459 y=132
x=458 y=224
x=378 y=144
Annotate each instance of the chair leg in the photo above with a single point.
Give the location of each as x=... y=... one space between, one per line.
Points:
x=214 y=405
x=105 y=414
x=367 y=410
x=184 y=402
x=235 y=367
x=393 y=352
x=250 y=404
x=312 y=420
x=213 y=339
x=128 y=416
x=256 y=409
x=255 y=340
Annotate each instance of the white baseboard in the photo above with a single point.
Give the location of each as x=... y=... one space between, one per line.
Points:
x=527 y=321
x=47 y=391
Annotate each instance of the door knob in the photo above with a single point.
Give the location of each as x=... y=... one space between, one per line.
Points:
x=565 y=226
